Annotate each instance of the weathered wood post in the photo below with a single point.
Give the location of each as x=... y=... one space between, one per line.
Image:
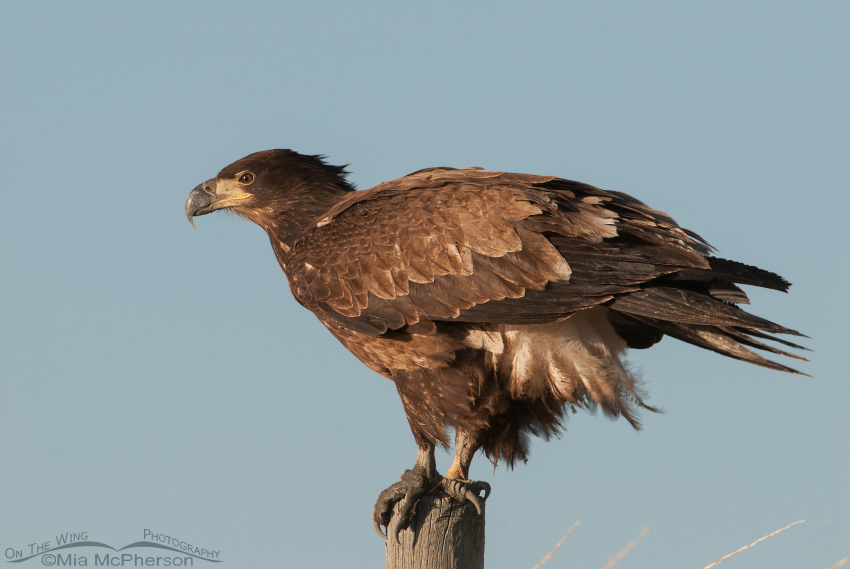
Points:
x=444 y=534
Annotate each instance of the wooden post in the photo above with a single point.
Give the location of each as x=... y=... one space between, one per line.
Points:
x=444 y=534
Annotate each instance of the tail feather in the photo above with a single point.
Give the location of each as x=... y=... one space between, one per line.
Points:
x=725 y=340
x=742 y=335
x=688 y=307
x=775 y=339
x=747 y=274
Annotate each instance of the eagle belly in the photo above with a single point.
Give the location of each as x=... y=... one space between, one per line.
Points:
x=503 y=382
x=541 y=370
x=578 y=360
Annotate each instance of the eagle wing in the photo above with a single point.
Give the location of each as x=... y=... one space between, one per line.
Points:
x=478 y=246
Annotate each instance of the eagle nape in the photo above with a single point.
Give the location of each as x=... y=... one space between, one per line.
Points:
x=424 y=479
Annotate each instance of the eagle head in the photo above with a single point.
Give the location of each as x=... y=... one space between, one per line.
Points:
x=266 y=185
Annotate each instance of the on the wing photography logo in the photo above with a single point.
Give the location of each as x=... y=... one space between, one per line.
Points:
x=77 y=550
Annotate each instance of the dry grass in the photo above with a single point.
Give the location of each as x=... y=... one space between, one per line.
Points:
x=557 y=547
x=737 y=551
x=611 y=562
x=619 y=557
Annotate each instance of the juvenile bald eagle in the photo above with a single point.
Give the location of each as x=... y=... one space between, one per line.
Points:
x=495 y=302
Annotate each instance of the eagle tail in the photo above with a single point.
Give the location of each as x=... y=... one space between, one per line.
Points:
x=689 y=307
x=731 y=341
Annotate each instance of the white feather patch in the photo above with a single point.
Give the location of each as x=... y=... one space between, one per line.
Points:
x=481 y=340
x=576 y=360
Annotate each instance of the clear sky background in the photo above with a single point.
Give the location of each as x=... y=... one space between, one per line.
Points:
x=159 y=377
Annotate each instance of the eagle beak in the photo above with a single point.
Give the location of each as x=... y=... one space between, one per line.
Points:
x=199 y=201
x=211 y=196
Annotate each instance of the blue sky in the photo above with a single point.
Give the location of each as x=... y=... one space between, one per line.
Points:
x=159 y=377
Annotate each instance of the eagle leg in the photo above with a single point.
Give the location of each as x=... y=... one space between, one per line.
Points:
x=413 y=484
x=421 y=480
x=456 y=482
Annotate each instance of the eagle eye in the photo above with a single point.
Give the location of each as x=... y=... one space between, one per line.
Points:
x=246 y=178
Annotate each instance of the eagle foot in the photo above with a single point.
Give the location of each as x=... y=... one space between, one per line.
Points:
x=413 y=485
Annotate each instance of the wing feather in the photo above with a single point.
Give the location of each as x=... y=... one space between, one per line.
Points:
x=478 y=246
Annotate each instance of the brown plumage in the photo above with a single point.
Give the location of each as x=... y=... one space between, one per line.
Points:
x=494 y=301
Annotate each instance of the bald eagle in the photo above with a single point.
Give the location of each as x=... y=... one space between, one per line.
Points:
x=496 y=302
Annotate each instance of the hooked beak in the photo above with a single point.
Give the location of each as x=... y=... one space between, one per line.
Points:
x=210 y=196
